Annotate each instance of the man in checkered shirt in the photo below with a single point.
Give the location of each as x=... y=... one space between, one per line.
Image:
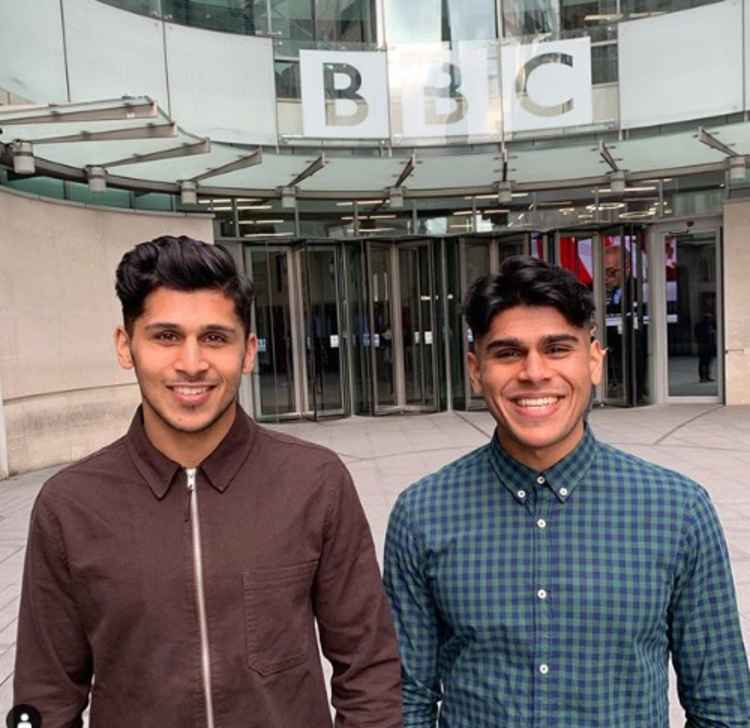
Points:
x=546 y=578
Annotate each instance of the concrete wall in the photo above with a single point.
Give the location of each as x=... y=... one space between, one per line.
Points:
x=737 y=300
x=63 y=394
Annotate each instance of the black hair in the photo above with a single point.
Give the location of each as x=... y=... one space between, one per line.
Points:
x=527 y=281
x=182 y=264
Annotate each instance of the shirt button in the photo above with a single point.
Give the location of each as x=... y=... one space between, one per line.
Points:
x=563 y=492
x=521 y=494
x=541 y=523
x=544 y=669
x=541 y=480
x=542 y=593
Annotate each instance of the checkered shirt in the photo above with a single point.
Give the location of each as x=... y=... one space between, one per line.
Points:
x=554 y=599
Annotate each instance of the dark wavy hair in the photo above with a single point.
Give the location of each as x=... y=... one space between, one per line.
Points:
x=527 y=281
x=183 y=264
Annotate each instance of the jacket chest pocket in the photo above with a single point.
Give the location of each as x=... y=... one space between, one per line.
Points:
x=278 y=616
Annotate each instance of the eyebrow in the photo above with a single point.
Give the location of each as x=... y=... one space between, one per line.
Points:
x=547 y=340
x=220 y=328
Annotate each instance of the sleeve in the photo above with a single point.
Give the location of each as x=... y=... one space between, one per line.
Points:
x=713 y=680
x=354 y=619
x=417 y=620
x=53 y=660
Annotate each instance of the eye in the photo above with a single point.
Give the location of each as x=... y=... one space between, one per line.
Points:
x=166 y=337
x=559 y=350
x=215 y=339
x=507 y=354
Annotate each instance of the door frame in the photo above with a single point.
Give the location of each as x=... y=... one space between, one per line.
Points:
x=658 y=342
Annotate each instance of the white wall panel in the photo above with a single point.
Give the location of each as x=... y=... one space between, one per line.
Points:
x=113 y=53
x=222 y=85
x=681 y=66
x=32 y=63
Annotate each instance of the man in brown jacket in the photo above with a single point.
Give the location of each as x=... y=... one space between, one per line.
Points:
x=178 y=574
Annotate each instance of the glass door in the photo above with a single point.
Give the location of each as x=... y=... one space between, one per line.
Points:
x=324 y=341
x=418 y=333
x=625 y=329
x=274 y=373
x=380 y=340
x=694 y=315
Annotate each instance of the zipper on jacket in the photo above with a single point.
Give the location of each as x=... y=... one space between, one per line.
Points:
x=200 y=595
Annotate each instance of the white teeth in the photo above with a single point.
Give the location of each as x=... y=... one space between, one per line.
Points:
x=191 y=391
x=539 y=402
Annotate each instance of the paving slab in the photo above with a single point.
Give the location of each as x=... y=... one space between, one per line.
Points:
x=709 y=443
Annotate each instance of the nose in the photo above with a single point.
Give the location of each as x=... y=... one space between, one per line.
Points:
x=534 y=368
x=191 y=361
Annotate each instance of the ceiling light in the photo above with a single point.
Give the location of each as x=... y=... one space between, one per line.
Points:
x=254 y=207
x=493 y=196
x=566 y=210
x=606 y=206
x=497 y=211
x=458 y=213
x=260 y=222
x=97 y=178
x=267 y=235
x=214 y=200
x=636 y=214
x=188 y=193
x=221 y=208
x=23 y=157
x=360 y=202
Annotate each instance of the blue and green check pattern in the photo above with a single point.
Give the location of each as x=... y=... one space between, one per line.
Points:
x=555 y=599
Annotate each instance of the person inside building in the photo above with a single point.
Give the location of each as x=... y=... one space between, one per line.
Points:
x=178 y=575
x=546 y=578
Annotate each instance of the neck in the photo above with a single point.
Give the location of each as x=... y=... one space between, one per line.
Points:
x=540 y=459
x=189 y=449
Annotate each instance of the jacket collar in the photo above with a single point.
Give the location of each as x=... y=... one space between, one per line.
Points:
x=219 y=468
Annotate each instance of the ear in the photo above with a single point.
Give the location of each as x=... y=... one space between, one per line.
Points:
x=251 y=350
x=122 y=347
x=475 y=372
x=596 y=361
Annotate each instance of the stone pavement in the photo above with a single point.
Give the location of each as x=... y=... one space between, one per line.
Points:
x=709 y=443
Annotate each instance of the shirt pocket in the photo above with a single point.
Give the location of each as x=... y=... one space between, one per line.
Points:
x=278 y=616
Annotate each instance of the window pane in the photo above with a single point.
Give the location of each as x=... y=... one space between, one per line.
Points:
x=642 y=7
x=439 y=21
x=288 y=84
x=595 y=18
x=527 y=17
x=233 y=16
x=293 y=19
x=604 y=63
x=348 y=21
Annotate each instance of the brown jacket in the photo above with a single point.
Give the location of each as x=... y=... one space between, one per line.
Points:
x=124 y=584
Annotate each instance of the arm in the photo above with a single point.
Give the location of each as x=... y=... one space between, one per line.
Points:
x=417 y=621
x=53 y=661
x=354 y=620
x=713 y=681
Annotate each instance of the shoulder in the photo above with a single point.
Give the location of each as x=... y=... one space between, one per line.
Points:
x=285 y=448
x=641 y=476
x=76 y=481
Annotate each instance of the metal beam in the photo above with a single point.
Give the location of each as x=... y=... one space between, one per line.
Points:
x=184 y=150
x=242 y=163
x=136 y=109
x=606 y=155
x=407 y=171
x=150 y=131
x=309 y=171
x=705 y=137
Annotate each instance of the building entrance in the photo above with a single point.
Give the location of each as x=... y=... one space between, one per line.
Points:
x=402 y=345
x=612 y=263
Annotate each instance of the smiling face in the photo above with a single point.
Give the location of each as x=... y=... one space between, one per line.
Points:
x=189 y=350
x=535 y=371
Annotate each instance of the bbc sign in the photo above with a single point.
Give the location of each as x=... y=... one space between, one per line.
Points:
x=418 y=92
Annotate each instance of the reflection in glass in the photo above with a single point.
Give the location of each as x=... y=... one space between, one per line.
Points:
x=273 y=366
x=345 y=21
x=434 y=21
x=595 y=17
x=324 y=341
x=692 y=324
x=234 y=16
x=417 y=325
x=528 y=17
x=381 y=341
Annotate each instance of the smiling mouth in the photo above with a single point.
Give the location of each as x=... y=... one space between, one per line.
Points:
x=536 y=402
x=191 y=393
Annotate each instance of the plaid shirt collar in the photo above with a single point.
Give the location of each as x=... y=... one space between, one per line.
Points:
x=562 y=478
